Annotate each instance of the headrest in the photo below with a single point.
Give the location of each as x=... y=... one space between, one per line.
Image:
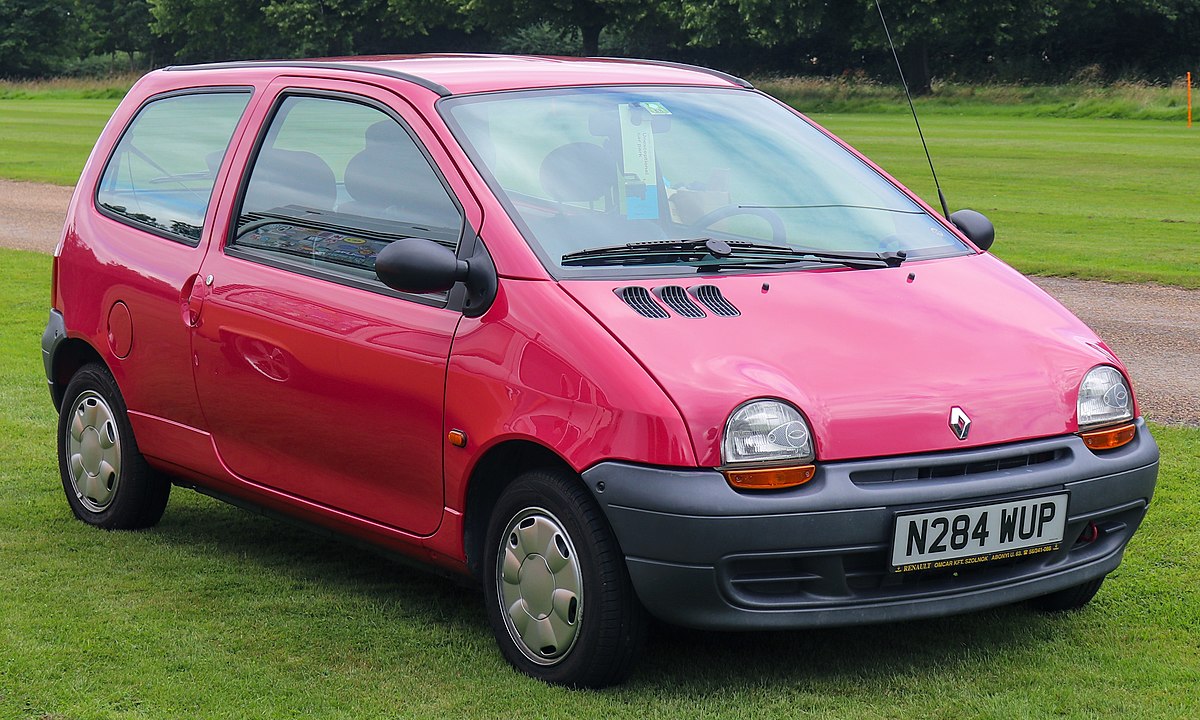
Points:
x=372 y=175
x=578 y=172
x=290 y=177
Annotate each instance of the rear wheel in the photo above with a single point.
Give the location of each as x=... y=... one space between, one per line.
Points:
x=107 y=481
x=1071 y=598
x=558 y=595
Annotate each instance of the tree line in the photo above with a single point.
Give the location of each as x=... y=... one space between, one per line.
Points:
x=1008 y=40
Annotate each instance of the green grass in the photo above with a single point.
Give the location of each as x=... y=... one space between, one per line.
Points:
x=67 y=88
x=1105 y=199
x=1120 y=100
x=218 y=613
x=48 y=139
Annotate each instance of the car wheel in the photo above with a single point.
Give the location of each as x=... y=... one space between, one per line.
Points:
x=1071 y=598
x=558 y=594
x=107 y=481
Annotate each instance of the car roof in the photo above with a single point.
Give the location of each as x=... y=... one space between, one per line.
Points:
x=454 y=74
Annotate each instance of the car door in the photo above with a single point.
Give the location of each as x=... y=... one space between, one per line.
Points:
x=317 y=380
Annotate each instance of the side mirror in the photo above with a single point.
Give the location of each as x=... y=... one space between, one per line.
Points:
x=975 y=226
x=417 y=265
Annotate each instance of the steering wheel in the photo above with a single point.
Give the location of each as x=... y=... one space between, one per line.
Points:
x=778 y=231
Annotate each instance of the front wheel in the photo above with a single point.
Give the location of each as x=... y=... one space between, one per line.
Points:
x=107 y=481
x=558 y=595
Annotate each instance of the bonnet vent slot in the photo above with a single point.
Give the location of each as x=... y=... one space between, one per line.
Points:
x=678 y=300
x=712 y=298
x=642 y=302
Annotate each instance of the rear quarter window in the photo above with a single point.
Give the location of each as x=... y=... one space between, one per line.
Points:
x=161 y=174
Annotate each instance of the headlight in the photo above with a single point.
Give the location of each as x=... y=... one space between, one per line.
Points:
x=1104 y=398
x=766 y=431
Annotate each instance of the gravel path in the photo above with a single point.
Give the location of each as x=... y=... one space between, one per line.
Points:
x=31 y=215
x=1154 y=329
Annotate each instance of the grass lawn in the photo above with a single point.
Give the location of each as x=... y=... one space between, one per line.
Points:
x=48 y=139
x=218 y=613
x=1104 y=199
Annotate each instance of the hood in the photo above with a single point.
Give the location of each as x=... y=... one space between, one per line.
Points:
x=875 y=358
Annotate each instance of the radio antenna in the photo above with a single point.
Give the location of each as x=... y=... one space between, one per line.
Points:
x=907 y=94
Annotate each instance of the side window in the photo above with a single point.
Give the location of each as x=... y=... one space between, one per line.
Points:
x=160 y=176
x=334 y=182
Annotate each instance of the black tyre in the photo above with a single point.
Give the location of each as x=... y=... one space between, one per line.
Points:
x=1071 y=598
x=558 y=594
x=107 y=481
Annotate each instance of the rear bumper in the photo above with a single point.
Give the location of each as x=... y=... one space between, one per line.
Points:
x=703 y=555
x=52 y=336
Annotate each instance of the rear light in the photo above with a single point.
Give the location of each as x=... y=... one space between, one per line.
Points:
x=770 y=478
x=54 y=282
x=1109 y=438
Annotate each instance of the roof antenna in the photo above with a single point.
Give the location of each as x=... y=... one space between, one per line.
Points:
x=945 y=210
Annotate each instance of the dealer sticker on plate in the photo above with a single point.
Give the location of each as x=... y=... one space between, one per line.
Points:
x=966 y=536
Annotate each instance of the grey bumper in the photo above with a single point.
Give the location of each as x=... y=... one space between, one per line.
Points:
x=52 y=336
x=704 y=555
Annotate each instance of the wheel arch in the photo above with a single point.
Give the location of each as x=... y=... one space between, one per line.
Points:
x=69 y=356
x=495 y=470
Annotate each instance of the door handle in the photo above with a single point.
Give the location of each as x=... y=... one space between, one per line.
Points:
x=191 y=299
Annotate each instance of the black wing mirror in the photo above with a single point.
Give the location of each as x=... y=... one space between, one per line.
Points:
x=975 y=226
x=417 y=265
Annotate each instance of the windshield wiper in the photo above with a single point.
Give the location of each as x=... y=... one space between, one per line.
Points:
x=699 y=249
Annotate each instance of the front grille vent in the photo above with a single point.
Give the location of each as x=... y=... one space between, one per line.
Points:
x=712 y=298
x=949 y=470
x=642 y=302
x=678 y=300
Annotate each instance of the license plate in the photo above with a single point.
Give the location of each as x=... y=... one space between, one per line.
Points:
x=967 y=536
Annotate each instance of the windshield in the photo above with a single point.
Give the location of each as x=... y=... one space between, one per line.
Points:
x=586 y=169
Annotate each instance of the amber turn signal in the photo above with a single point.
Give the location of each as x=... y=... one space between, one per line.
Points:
x=770 y=478
x=1109 y=438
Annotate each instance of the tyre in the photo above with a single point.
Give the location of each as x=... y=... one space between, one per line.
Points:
x=107 y=481
x=1071 y=598
x=558 y=595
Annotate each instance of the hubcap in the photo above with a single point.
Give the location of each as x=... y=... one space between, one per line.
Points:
x=93 y=452
x=540 y=586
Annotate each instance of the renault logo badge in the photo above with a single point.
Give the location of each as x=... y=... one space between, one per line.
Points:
x=960 y=423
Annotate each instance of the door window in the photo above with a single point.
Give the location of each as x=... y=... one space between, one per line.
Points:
x=334 y=182
x=160 y=176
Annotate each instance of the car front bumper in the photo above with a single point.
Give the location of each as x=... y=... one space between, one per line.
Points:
x=704 y=555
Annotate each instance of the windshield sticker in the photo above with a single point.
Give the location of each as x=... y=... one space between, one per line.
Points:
x=639 y=194
x=656 y=108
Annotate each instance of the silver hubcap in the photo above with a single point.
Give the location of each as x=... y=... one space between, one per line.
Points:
x=93 y=452
x=540 y=586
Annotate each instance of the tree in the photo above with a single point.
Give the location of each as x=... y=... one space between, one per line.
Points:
x=923 y=27
x=340 y=27
x=1159 y=37
x=112 y=26
x=206 y=30
x=229 y=29
x=589 y=17
x=32 y=34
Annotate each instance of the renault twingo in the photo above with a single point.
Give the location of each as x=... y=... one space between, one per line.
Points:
x=613 y=338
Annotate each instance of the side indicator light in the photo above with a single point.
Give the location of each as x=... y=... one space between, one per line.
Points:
x=457 y=438
x=770 y=478
x=1110 y=438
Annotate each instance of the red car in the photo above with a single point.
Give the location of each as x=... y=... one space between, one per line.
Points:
x=614 y=338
